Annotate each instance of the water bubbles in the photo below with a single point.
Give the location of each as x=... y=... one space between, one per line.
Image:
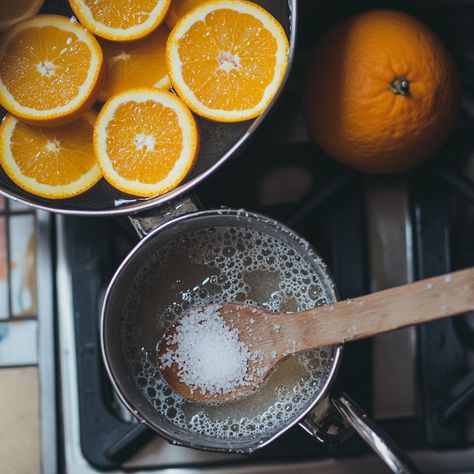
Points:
x=314 y=292
x=240 y=297
x=171 y=412
x=231 y=264
x=228 y=251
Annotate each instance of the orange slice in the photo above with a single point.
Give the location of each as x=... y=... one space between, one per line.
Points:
x=227 y=59
x=120 y=20
x=179 y=8
x=146 y=141
x=50 y=70
x=14 y=11
x=55 y=162
x=136 y=64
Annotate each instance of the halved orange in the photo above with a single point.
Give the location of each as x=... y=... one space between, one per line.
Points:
x=145 y=141
x=14 y=11
x=50 y=70
x=136 y=64
x=56 y=162
x=227 y=58
x=179 y=8
x=120 y=20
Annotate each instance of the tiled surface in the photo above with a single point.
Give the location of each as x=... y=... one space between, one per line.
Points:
x=18 y=293
x=18 y=343
x=19 y=421
x=18 y=206
x=22 y=244
x=19 y=386
x=4 y=307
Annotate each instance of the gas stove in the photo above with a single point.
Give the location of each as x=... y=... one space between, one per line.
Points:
x=373 y=232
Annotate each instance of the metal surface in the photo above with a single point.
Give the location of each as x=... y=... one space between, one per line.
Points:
x=218 y=142
x=391 y=264
x=374 y=436
x=133 y=399
x=326 y=425
x=110 y=340
x=145 y=223
x=442 y=358
x=46 y=343
x=186 y=461
x=74 y=460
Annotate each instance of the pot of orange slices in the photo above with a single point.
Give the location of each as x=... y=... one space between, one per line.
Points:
x=114 y=107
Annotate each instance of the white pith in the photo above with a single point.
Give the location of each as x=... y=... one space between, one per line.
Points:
x=144 y=142
x=228 y=61
x=182 y=165
x=46 y=68
x=53 y=147
x=84 y=88
x=163 y=83
x=199 y=14
x=123 y=56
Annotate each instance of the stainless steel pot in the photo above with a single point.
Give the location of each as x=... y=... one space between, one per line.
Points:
x=317 y=416
x=218 y=143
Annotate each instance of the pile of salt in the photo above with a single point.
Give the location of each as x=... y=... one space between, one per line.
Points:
x=209 y=354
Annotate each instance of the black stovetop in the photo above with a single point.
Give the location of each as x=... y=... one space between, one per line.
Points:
x=286 y=176
x=332 y=217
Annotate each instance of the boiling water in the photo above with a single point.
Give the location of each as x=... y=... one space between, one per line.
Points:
x=217 y=265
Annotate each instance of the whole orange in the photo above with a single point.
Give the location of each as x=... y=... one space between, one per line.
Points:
x=381 y=92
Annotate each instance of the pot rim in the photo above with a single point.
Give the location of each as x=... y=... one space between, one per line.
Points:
x=333 y=363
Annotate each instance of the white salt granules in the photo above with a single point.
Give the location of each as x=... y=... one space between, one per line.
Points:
x=210 y=356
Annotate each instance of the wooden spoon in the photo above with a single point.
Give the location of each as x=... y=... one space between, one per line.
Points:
x=278 y=335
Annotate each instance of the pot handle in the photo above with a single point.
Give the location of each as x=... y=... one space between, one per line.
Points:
x=373 y=435
x=351 y=414
x=145 y=222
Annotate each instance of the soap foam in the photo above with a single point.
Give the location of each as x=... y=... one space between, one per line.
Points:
x=214 y=266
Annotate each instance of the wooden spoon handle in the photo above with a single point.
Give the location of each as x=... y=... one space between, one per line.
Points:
x=414 y=303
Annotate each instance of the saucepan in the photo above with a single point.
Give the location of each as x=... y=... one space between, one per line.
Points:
x=188 y=258
x=218 y=143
